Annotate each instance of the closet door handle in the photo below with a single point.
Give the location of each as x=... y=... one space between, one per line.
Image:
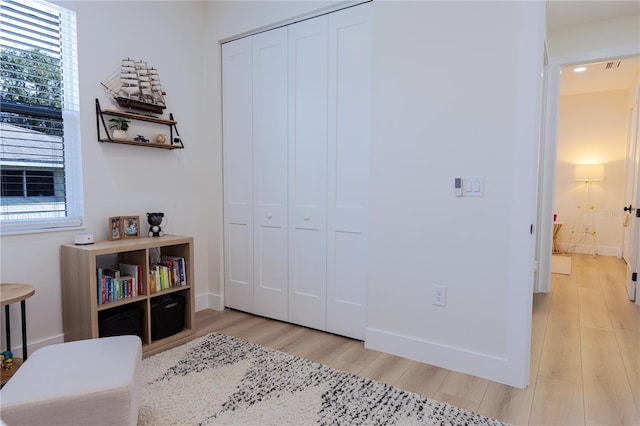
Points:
x=628 y=209
x=307 y=218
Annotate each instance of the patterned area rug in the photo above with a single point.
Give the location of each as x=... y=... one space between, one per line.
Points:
x=218 y=379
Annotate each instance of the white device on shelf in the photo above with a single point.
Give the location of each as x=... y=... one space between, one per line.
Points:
x=83 y=239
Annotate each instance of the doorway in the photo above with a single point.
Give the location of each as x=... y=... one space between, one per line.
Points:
x=591 y=156
x=550 y=163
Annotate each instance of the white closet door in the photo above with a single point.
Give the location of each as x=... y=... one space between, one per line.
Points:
x=308 y=172
x=270 y=173
x=238 y=173
x=349 y=125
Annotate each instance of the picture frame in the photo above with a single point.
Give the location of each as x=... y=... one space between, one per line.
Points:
x=130 y=226
x=115 y=228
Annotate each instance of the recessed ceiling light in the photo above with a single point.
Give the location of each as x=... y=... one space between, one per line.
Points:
x=580 y=69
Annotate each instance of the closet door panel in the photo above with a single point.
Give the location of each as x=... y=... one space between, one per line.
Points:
x=238 y=282
x=296 y=129
x=308 y=270
x=308 y=173
x=238 y=173
x=349 y=126
x=270 y=173
x=270 y=289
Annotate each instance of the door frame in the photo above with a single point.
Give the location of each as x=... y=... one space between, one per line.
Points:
x=632 y=147
x=540 y=183
x=546 y=206
x=632 y=196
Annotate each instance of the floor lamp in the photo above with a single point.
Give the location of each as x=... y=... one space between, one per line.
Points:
x=585 y=227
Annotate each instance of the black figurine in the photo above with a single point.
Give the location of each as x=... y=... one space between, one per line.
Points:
x=155 y=220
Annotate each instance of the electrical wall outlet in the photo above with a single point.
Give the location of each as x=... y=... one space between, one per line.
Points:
x=439 y=295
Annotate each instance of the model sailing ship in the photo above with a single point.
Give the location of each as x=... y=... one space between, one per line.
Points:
x=134 y=85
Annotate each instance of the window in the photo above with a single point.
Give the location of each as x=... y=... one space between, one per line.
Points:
x=41 y=185
x=27 y=183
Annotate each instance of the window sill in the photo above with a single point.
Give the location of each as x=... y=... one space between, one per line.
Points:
x=33 y=227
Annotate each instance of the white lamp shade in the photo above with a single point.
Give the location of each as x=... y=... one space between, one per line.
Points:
x=589 y=172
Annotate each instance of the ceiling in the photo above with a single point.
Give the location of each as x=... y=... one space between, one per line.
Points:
x=616 y=74
x=567 y=13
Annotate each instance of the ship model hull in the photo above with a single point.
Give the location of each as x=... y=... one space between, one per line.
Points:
x=139 y=105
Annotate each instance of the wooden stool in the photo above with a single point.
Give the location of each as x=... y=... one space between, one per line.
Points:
x=556 y=229
x=12 y=293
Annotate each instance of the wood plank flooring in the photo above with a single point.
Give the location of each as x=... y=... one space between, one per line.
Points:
x=585 y=354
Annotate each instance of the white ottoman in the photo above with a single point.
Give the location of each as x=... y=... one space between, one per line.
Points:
x=88 y=382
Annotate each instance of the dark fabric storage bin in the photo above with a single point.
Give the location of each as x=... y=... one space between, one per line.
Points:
x=167 y=316
x=120 y=321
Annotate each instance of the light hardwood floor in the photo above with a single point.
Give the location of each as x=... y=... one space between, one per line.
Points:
x=585 y=354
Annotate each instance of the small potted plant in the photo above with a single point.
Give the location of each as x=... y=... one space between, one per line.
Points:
x=120 y=126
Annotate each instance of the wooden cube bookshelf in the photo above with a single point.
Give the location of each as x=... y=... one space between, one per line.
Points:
x=80 y=306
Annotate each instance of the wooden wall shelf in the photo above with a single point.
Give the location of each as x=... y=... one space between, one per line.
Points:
x=104 y=130
x=147 y=144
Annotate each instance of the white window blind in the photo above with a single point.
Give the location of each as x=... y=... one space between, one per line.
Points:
x=40 y=161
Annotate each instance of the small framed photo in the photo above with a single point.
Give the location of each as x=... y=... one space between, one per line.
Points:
x=115 y=228
x=130 y=226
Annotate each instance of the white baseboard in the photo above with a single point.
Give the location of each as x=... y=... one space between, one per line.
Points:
x=33 y=346
x=588 y=249
x=476 y=364
x=209 y=301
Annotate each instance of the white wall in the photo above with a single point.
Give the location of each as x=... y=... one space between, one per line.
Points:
x=604 y=34
x=126 y=180
x=592 y=129
x=451 y=97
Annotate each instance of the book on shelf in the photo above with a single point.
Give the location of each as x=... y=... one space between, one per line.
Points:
x=109 y=277
x=136 y=272
x=169 y=272
x=101 y=289
x=157 y=278
x=152 y=281
x=178 y=267
x=114 y=285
